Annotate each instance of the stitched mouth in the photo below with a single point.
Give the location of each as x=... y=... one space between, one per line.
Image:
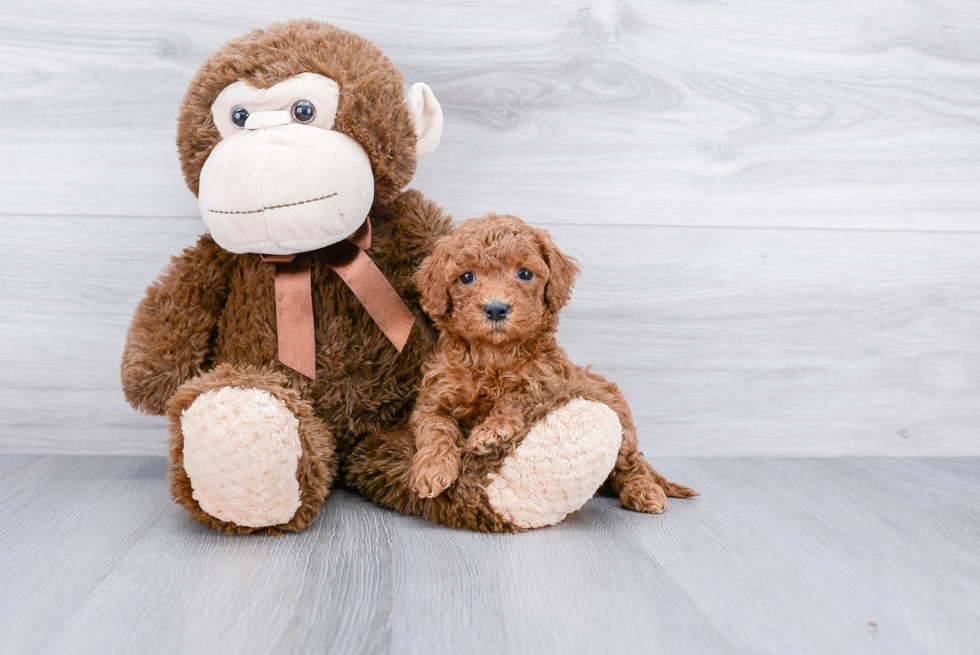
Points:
x=289 y=204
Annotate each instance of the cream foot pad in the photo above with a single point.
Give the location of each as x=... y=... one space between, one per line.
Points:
x=241 y=451
x=560 y=464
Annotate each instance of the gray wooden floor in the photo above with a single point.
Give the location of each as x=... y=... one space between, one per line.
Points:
x=777 y=556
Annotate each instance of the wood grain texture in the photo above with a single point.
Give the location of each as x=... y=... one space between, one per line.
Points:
x=832 y=114
x=775 y=205
x=725 y=341
x=777 y=556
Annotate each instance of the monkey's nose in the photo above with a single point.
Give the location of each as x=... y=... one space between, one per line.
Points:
x=496 y=311
x=262 y=119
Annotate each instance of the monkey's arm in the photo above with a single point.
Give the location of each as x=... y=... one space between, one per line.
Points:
x=169 y=338
x=436 y=463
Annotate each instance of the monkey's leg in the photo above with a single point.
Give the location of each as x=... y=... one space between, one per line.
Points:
x=246 y=452
x=379 y=468
x=586 y=437
x=538 y=479
x=558 y=466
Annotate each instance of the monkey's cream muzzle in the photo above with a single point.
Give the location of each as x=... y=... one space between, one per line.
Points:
x=280 y=188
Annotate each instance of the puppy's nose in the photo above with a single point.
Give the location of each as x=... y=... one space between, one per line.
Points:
x=496 y=310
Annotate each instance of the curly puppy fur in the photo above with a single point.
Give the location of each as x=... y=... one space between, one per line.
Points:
x=489 y=381
x=212 y=309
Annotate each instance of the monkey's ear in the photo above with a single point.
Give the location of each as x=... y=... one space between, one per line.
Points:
x=426 y=117
x=562 y=271
x=431 y=281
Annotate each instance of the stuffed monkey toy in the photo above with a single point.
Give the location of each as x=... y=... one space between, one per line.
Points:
x=291 y=334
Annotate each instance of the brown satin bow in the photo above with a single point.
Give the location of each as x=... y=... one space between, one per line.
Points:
x=294 y=298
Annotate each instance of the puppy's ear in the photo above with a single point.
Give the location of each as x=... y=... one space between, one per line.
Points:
x=562 y=271
x=431 y=280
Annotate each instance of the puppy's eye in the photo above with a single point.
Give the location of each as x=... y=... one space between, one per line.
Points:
x=525 y=274
x=467 y=277
x=238 y=116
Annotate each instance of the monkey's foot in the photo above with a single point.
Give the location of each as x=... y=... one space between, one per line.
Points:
x=558 y=466
x=246 y=453
x=241 y=451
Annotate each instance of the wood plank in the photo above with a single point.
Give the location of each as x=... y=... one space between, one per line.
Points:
x=753 y=342
x=776 y=556
x=725 y=341
x=64 y=311
x=67 y=522
x=575 y=588
x=966 y=469
x=675 y=113
x=826 y=555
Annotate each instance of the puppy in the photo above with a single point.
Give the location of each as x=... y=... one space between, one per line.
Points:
x=494 y=289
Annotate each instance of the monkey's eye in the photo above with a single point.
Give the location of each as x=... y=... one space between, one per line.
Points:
x=238 y=116
x=467 y=277
x=303 y=111
x=525 y=274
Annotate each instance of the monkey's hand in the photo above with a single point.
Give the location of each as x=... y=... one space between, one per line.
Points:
x=433 y=469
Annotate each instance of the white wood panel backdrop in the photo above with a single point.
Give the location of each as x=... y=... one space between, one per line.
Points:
x=777 y=205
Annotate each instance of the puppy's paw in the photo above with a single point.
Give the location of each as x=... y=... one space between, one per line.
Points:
x=489 y=435
x=643 y=495
x=483 y=440
x=433 y=472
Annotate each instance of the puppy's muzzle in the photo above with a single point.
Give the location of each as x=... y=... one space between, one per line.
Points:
x=496 y=311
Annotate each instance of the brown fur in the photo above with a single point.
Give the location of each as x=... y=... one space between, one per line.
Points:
x=210 y=318
x=488 y=383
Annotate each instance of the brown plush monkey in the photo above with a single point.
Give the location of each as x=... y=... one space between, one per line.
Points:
x=290 y=136
x=283 y=340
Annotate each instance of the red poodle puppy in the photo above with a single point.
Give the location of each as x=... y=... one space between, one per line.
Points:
x=494 y=288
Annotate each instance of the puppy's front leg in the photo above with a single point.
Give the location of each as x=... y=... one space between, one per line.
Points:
x=506 y=421
x=436 y=463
